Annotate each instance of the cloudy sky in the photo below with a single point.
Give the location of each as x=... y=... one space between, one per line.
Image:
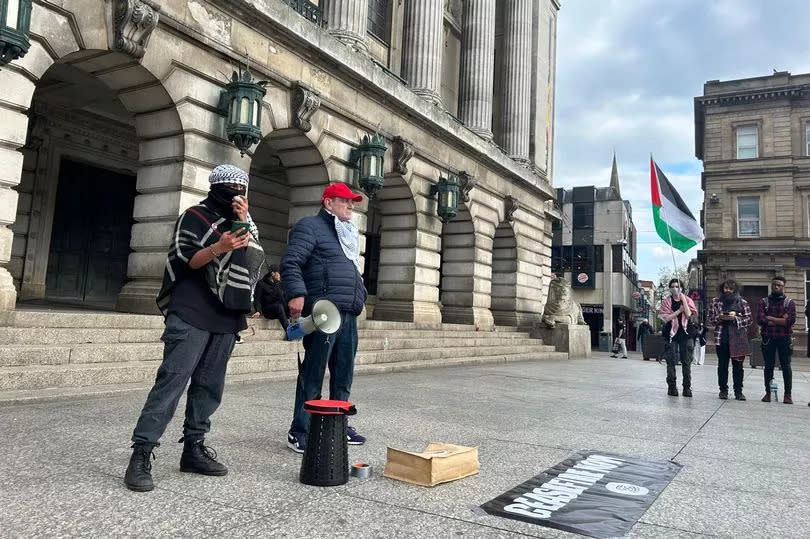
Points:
x=627 y=74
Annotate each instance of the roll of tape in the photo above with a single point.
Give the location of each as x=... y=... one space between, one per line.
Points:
x=361 y=470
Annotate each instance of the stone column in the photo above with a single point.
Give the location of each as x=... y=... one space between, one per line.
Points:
x=517 y=80
x=477 y=66
x=347 y=20
x=423 y=40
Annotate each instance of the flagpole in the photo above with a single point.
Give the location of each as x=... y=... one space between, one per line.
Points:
x=666 y=220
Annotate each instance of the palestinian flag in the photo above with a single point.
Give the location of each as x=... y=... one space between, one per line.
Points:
x=673 y=221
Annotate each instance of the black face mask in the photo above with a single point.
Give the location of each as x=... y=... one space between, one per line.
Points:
x=221 y=197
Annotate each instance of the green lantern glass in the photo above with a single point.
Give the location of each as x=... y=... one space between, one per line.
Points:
x=15 y=23
x=370 y=158
x=241 y=102
x=448 y=190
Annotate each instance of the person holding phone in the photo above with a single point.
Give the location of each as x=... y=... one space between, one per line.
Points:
x=204 y=300
x=730 y=315
x=676 y=310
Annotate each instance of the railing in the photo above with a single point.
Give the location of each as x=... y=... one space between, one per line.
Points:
x=308 y=10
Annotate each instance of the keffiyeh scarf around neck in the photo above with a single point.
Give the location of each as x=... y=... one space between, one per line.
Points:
x=349 y=238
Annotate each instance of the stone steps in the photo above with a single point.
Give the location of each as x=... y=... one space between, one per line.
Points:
x=60 y=352
x=53 y=393
x=43 y=376
x=76 y=353
x=63 y=336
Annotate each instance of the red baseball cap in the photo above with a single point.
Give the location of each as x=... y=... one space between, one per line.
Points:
x=341 y=190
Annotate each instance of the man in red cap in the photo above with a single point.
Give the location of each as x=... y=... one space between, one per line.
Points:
x=322 y=262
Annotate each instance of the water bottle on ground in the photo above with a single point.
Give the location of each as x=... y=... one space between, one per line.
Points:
x=774 y=391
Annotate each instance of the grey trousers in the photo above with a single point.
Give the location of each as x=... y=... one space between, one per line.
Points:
x=192 y=354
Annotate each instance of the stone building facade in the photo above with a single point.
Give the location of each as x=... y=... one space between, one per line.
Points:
x=111 y=123
x=753 y=136
x=594 y=247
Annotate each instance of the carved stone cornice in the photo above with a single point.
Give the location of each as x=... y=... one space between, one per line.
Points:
x=132 y=23
x=402 y=151
x=511 y=205
x=466 y=183
x=738 y=98
x=305 y=101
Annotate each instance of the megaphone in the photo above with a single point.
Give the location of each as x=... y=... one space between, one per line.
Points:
x=325 y=317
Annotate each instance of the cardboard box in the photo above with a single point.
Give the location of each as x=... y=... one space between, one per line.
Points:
x=438 y=463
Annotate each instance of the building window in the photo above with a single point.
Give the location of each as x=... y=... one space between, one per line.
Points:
x=807 y=138
x=748 y=142
x=378 y=19
x=748 y=217
x=583 y=215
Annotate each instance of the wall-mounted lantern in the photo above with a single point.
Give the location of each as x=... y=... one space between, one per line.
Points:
x=241 y=102
x=447 y=189
x=369 y=158
x=15 y=22
x=714 y=199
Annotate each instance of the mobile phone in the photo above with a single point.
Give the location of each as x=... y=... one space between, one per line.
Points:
x=240 y=225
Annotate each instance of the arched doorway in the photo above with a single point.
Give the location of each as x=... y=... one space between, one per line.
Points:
x=504 y=276
x=287 y=177
x=74 y=219
x=391 y=264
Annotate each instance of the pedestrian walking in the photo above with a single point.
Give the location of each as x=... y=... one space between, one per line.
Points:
x=776 y=316
x=700 y=345
x=644 y=330
x=676 y=310
x=730 y=315
x=322 y=261
x=204 y=298
x=620 y=344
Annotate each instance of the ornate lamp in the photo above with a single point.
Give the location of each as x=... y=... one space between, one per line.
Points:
x=447 y=189
x=15 y=21
x=241 y=102
x=369 y=158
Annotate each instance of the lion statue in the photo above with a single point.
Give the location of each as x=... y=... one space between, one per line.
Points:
x=560 y=305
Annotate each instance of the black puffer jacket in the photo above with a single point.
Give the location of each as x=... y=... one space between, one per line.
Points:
x=315 y=266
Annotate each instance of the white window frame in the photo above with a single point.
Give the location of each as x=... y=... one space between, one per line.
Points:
x=740 y=132
x=807 y=138
x=759 y=217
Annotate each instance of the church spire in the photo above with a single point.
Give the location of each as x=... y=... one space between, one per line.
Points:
x=614 y=178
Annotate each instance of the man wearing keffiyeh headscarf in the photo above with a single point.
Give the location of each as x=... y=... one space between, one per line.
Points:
x=322 y=262
x=205 y=295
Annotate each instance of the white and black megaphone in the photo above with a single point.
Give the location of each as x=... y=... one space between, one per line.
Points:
x=325 y=318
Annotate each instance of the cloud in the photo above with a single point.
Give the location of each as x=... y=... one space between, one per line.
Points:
x=627 y=75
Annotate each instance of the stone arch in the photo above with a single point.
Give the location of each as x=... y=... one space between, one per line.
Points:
x=59 y=46
x=504 y=275
x=466 y=259
x=392 y=266
x=287 y=177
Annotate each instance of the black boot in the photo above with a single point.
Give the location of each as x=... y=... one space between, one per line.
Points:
x=139 y=471
x=672 y=391
x=199 y=458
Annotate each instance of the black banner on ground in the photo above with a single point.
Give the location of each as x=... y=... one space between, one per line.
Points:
x=592 y=493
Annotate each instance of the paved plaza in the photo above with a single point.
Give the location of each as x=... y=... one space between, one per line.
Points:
x=746 y=465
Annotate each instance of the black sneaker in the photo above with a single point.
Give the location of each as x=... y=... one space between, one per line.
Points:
x=723 y=395
x=139 y=472
x=672 y=391
x=687 y=392
x=199 y=458
x=352 y=438
x=296 y=444
x=739 y=396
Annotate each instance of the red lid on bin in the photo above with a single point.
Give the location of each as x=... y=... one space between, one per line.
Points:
x=329 y=407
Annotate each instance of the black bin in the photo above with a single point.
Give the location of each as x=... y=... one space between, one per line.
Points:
x=326 y=457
